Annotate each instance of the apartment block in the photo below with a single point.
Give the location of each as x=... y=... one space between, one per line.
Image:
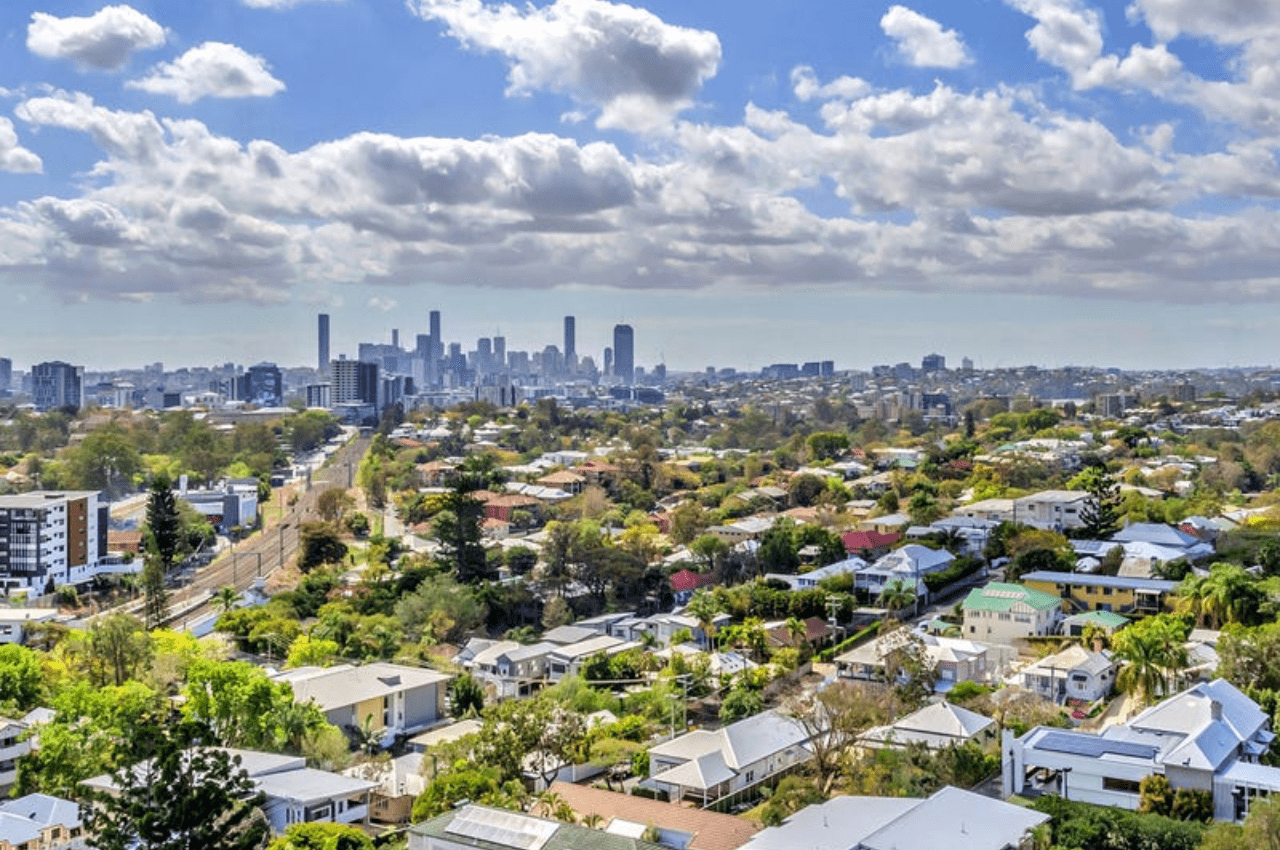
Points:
x=50 y=536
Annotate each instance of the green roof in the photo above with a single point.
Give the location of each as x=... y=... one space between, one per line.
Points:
x=1001 y=596
x=1110 y=619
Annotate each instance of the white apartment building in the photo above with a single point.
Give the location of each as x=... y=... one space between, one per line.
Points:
x=50 y=536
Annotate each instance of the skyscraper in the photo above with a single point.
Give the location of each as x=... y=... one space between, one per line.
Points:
x=437 y=342
x=322 y=359
x=354 y=382
x=570 y=341
x=624 y=354
x=6 y=376
x=56 y=384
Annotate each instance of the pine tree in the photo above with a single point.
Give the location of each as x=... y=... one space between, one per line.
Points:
x=164 y=524
x=1100 y=512
x=180 y=794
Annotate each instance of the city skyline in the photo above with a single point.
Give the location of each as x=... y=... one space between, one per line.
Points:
x=1026 y=181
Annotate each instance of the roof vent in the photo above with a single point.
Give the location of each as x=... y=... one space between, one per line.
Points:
x=1215 y=709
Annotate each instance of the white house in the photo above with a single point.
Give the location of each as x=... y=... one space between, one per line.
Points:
x=1002 y=613
x=954 y=660
x=1209 y=738
x=937 y=725
x=705 y=766
x=1073 y=673
x=908 y=565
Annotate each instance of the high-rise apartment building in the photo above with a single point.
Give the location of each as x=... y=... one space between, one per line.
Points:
x=262 y=384
x=933 y=363
x=624 y=354
x=354 y=382
x=437 y=342
x=57 y=384
x=322 y=344
x=6 y=376
x=51 y=537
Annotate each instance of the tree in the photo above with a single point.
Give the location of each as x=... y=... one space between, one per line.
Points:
x=740 y=702
x=333 y=503
x=163 y=531
x=827 y=445
x=155 y=605
x=704 y=606
x=777 y=552
x=1154 y=652
x=322 y=836
x=1100 y=512
x=179 y=793
x=457 y=525
x=118 y=649
x=225 y=598
x=321 y=544
x=21 y=676
x=467 y=697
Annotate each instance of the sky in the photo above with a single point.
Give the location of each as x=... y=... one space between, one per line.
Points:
x=743 y=181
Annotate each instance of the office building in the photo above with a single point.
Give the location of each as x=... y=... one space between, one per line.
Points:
x=437 y=342
x=56 y=384
x=500 y=353
x=354 y=382
x=322 y=354
x=608 y=362
x=50 y=537
x=624 y=354
x=933 y=363
x=6 y=376
x=570 y=340
x=262 y=385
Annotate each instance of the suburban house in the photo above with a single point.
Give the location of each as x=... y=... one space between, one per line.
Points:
x=1082 y=592
x=1108 y=621
x=954 y=660
x=393 y=698
x=1074 y=673
x=971 y=532
x=40 y=822
x=1057 y=510
x=678 y=827
x=513 y=668
x=567 y=660
x=869 y=544
x=474 y=827
x=294 y=792
x=1002 y=613
x=950 y=818
x=685 y=582
x=937 y=725
x=570 y=482
x=1210 y=737
x=704 y=766
x=809 y=580
x=908 y=565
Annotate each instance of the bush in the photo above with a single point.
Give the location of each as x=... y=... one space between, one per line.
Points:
x=960 y=568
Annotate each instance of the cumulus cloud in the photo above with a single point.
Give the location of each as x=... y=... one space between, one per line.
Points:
x=280 y=4
x=213 y=69
x=637 y=71
x=1222 y=21
x=805 y=85
x=14 y=157
x=922 y=41
x=104 y=41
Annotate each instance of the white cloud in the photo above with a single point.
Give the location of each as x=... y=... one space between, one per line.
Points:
x=13 y=156
x=806 y=86
x=213 y=69
x=1222 y=21
x=386 y=305
x=104 y=41
x=922 y=41
x=637 y=70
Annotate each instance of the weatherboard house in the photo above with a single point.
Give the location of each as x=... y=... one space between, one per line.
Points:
x=1209 y=738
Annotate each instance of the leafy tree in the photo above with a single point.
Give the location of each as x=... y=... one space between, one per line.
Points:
x=467 y=697
x=322 y=836
x=21 y=676
x=308 y=651
x=740 y=702
x=777 y=552
x=181 y=794
x=333 y=503
x=1155 y=795
x=1154 y=652
x=827 y=445
x=118 y=649
x=321 y=544
x=105 y=460
x=470 y=783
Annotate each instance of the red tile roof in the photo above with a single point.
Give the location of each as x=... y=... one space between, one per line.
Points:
x=856 y=541
x=709 y=830
x=687 y=580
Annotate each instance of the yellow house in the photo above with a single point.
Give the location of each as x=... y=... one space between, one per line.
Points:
x=1082 y=592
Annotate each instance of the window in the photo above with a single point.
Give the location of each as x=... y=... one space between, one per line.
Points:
x=1127 y=786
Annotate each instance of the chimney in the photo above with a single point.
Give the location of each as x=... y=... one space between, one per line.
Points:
x=1215 y=709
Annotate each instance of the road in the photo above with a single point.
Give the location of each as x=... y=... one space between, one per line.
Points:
x=274 y=546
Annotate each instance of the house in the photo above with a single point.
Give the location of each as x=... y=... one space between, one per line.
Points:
x=1002 y=613
x=1057 y=510
x=677 y=827
x=991 y=510
x=937 y=725
x=908 y=565
x=570 y=482
x=473 y=827
x=869 y=544
x=704 y=766
x=1210 y=738
x=809 y=580
x=954 y=660
x=972 y=533
x=398 y=782
x=817 y=633
x=565 y=635
x=568 y=660
x=950 y=818
x=1107 y=621
x=16 y=742
x=1084 y=592
x=1074 y=673
x=294 y=792
x=16 y=623
x=685 y=582
x=40 y=822
x=393 y=698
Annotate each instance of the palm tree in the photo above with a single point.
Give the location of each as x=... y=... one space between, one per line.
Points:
x=797 y=631
x=897 y=595
x=704 y=606
x=1234 y=594
x=225 y=598
x=1155 y=653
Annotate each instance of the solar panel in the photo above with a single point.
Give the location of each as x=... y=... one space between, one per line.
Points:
x=505 y=828
x=1093 y=746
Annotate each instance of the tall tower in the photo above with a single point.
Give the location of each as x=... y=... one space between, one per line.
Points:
x=570 y=339
x=322 y=360
x=624 y=354
x=437 y=343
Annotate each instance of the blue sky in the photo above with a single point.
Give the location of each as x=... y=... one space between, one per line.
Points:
x=1017 y=181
